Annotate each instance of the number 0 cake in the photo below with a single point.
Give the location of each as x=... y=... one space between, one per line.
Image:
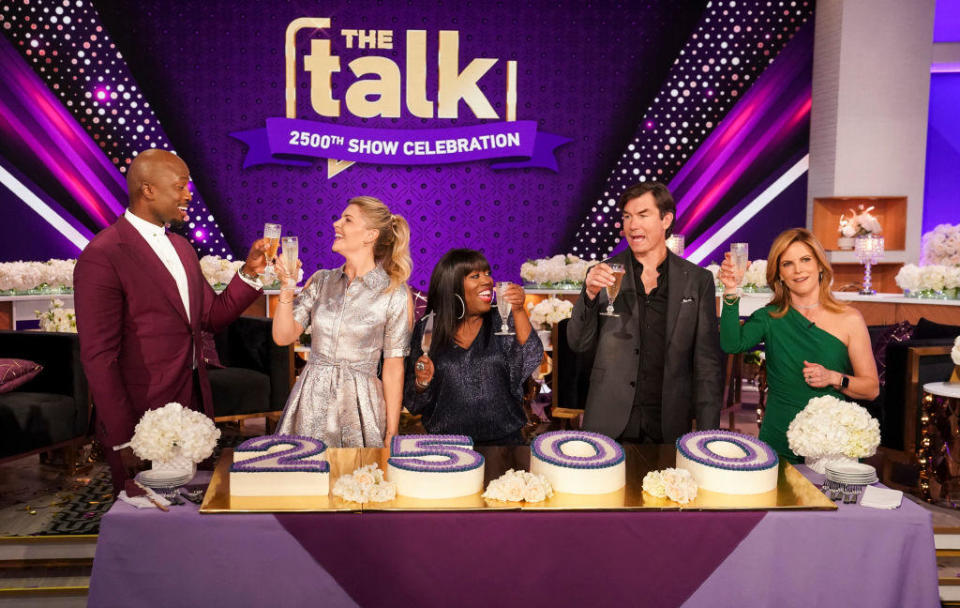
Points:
x=727 y=462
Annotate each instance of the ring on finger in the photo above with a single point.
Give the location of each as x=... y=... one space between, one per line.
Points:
x=421 y=366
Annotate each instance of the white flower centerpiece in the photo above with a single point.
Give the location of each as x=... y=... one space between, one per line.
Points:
x=174 y=439
x=57 y=318
x=857 y=224
x=942 y=245
x=936 y=281
x=558 y=272
x=676 y=484
x=519 y=486
x=37 y=278
x=955 y=356
x=830 y=430
x=755 y=278
x=219 y=271
x=365 y=484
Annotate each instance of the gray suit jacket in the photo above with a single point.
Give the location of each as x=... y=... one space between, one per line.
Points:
x=692 y=383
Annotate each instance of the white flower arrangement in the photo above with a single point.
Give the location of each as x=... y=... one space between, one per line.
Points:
x=219 y=271
x=925 y=280
x=173 y=431
x=942 y=245
x=365 y=484
x=25 y=277
x=755 y=277
x=955 y=352
x=57 y=318
x=859 y=224
x=517 y=486
x=557 y=271
x=908 y=278
x=828 y=426
x=550 y=311
x=676 y=484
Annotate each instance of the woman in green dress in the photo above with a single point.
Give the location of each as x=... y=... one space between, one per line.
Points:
x=815 y=344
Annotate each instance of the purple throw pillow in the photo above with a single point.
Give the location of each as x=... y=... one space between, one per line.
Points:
x=15 y=372
x=900 y=332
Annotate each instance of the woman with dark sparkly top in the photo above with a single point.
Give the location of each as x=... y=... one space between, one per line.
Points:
x=471 y=380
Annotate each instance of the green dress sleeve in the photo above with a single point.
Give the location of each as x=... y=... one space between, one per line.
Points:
x=736 y=338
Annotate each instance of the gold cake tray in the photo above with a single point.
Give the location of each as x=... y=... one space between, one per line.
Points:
x=794 y=491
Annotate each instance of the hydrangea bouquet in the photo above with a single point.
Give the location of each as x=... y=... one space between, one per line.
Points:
x=930 y=281
x=676 y=484
x=830 y=430
x=365 y=484
x=31 y=278
x=517 y=486
x=558 y=272
x=173 y=437
x=942 y=245
x=550 y=311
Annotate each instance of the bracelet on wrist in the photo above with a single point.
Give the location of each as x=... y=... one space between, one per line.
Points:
x=248 y=277
x=731 y=298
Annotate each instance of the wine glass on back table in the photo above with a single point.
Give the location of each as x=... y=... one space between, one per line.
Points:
x=504 y=309
x=614 y=290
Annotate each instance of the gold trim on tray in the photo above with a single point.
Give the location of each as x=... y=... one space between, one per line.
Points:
x=794 y=491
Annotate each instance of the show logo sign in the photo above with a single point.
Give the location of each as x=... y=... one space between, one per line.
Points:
x=377 y=87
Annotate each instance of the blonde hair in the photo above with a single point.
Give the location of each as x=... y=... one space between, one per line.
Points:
x=392 y=248
x=781 y=295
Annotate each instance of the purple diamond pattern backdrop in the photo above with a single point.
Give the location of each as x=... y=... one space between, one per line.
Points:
x=585 y=73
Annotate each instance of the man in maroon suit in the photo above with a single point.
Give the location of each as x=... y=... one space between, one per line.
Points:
x=141 y=303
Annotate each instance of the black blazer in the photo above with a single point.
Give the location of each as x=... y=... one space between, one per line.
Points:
x=692 y=380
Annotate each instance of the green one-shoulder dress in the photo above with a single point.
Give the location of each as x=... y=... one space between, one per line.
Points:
x=790 y=340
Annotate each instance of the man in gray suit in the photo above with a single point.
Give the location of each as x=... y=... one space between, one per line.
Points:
x=657 y=364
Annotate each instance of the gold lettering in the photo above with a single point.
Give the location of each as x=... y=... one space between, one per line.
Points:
x=367 y=39
x=321 y=65
x=385 y=39
x=386 y=88
x=416 y=87
x=348 y=35
x=455 y=85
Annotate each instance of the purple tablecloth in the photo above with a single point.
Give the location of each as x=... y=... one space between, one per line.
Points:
x=854 y=556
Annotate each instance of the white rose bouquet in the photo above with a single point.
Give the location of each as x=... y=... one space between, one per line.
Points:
x=859 y=223
x=173 y=431
x=942 y=245
x=57 y=318
x=218 y=271
x=365 y=484
x=517 y=486
x=908 y=278
x=829 y=427
x=755 y=278
x=676 y=484
x=559 y=271
x=550 y=311
x=24 y=277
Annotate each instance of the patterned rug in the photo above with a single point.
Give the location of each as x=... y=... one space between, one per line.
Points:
x=84 y=507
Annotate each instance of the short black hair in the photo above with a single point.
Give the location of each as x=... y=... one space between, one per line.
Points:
x=662 y=196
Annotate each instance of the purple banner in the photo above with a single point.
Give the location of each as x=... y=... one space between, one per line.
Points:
x=288 y=140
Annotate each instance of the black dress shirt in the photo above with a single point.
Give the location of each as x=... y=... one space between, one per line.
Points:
x=644 y=424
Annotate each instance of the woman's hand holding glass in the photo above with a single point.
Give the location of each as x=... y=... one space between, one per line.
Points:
x=513 y=295
x=424 y=372
x=288 y=280
x=731 y=274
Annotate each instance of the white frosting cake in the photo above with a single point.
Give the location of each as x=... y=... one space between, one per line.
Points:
x=435 y=466
x=728 y=463
x=578 y=462
x=280 y=465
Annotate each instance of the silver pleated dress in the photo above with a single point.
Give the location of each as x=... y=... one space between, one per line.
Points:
x=338 y=397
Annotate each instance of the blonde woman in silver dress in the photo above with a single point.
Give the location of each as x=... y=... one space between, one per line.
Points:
x=357 y=312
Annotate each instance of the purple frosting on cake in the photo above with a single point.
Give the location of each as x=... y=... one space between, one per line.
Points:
x=548 y=446
x=286 y=461
x=457 y=448
x=760 y=456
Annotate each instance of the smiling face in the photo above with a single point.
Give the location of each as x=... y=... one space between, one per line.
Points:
x=478 y=291
x=351 y=234
x=643 y=227
x=161 y=187
x=799 y=269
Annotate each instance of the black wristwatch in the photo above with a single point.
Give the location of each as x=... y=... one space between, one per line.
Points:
x=844 y=382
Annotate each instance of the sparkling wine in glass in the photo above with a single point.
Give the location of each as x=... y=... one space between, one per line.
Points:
x=291 y=252
x=740 y=252
x=504 y=309
x=271 y=232
x=614 y=290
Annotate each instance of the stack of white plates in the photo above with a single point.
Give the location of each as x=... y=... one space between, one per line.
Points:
x=852 y=473
x=164 y=479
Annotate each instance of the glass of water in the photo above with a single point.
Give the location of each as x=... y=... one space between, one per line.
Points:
x=504 y=309
x=740 y=254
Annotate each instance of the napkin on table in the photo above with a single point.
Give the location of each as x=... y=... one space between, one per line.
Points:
x=881 y=498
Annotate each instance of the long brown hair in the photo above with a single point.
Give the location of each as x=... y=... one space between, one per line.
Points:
x=392 y=249
x=781 y=295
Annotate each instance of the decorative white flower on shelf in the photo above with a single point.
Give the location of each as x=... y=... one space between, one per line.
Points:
x=57 y=318
x=27 y=276
x=518 y=486
x=756 y=274
x=676 y=484
x=217 y=270
x=942 y=245
x=859 y=224
x=908 y=278
x=550 y=311
x=554 y=270
x=828 y=426
x=171 y=431
x=365 y=484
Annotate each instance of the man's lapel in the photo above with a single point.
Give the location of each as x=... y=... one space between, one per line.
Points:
x=148 y=263
x=194 y=276
x=676 y=286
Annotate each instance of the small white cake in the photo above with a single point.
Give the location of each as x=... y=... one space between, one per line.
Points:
x=435 y=466
x=728 y=462
x=579 y=462
x=280 y=465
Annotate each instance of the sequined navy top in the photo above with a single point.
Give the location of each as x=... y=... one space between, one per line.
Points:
x=475 y=391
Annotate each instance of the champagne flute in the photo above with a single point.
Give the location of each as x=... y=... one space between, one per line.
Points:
x=614 y=290
x=291 y=252
x=271 y=232
x=504 y=309
x=740 y=252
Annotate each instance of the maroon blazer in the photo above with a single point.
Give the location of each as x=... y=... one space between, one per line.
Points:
x=136 y=344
